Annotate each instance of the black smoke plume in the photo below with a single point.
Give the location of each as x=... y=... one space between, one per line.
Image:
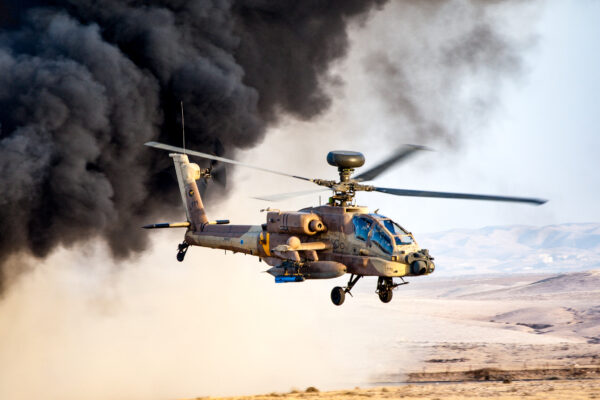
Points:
x=83 y=84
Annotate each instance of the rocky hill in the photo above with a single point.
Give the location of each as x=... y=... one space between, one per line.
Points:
x=515 y=249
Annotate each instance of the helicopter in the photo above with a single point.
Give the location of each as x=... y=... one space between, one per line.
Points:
x=322 y=242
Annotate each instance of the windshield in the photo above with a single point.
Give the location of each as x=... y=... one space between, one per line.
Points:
x=362 y=226
x=403 y=239
x=401 y=236
x=381 y=239
x=394 y=228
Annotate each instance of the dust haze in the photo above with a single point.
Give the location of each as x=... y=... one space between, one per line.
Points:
x=160 y=329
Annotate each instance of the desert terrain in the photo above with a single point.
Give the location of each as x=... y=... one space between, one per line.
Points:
x=567 y=390
x=158 y=332
x=531 y=327
x=501 y=336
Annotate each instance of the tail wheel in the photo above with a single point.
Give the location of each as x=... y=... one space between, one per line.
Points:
x=338 y=296
x=385 y=295
x=181 y=250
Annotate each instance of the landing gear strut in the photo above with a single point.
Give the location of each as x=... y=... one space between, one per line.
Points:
x=182 y=248
x=338 y=294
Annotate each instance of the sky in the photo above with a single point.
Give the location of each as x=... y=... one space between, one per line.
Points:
x=539 y=141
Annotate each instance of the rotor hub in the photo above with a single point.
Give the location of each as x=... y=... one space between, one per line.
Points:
x=345 y=159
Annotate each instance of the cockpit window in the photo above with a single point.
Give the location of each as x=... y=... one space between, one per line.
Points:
x=394 y=228
x=403 y=239
x=362 y=226
x=401 y=236
x=381 y=239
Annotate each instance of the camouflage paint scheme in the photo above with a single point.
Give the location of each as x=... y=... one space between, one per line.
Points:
x=319 y=241
x=340 y=243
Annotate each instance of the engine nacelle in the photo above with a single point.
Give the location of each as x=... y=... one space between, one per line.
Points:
x=294 y=222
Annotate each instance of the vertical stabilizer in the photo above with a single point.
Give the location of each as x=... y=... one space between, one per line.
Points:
x=187 y=174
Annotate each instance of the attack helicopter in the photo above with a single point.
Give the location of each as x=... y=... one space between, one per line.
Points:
x=321 y=242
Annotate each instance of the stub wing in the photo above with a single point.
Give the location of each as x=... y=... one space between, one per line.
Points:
x=307 y=246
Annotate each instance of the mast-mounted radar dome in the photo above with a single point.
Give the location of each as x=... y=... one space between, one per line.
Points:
x=345 y=159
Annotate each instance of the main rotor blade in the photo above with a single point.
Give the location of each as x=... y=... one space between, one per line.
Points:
x=449 y=195
x=401 y=154
x=284 y=196
x=222 y=159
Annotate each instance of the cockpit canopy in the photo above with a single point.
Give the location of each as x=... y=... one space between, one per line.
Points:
x=384 y=232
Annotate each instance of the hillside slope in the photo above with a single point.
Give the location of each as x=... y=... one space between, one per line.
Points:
x=515 y=249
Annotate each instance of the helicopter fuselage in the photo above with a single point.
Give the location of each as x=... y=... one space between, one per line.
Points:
x=317 y=242
x=322 y=242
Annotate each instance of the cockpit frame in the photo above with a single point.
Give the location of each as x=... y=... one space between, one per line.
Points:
x=377 y=229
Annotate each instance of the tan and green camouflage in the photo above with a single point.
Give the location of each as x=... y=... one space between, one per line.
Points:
x=319 y=242
x=312 y=243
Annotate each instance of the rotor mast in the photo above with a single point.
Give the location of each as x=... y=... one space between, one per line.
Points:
x=346 y=188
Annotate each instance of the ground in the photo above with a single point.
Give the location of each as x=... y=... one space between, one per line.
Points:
x=559 y=389
x=503 y=337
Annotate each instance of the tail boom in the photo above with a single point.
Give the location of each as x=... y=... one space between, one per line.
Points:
x=237 y=238
x=187 y=174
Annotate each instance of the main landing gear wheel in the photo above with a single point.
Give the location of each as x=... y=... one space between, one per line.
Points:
x=384 y=288
x=338 y=295
x=181 y=250
x=385 y=296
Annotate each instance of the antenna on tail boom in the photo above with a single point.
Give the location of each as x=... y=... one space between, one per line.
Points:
x=182 y=128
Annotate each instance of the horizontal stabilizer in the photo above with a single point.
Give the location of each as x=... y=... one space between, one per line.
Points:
x=168 y=225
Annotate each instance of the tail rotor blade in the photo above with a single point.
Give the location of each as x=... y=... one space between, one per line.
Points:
x=202 y=186
x=220 y=175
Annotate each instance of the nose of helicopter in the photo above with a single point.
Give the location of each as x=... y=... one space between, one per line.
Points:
x=420 y=262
